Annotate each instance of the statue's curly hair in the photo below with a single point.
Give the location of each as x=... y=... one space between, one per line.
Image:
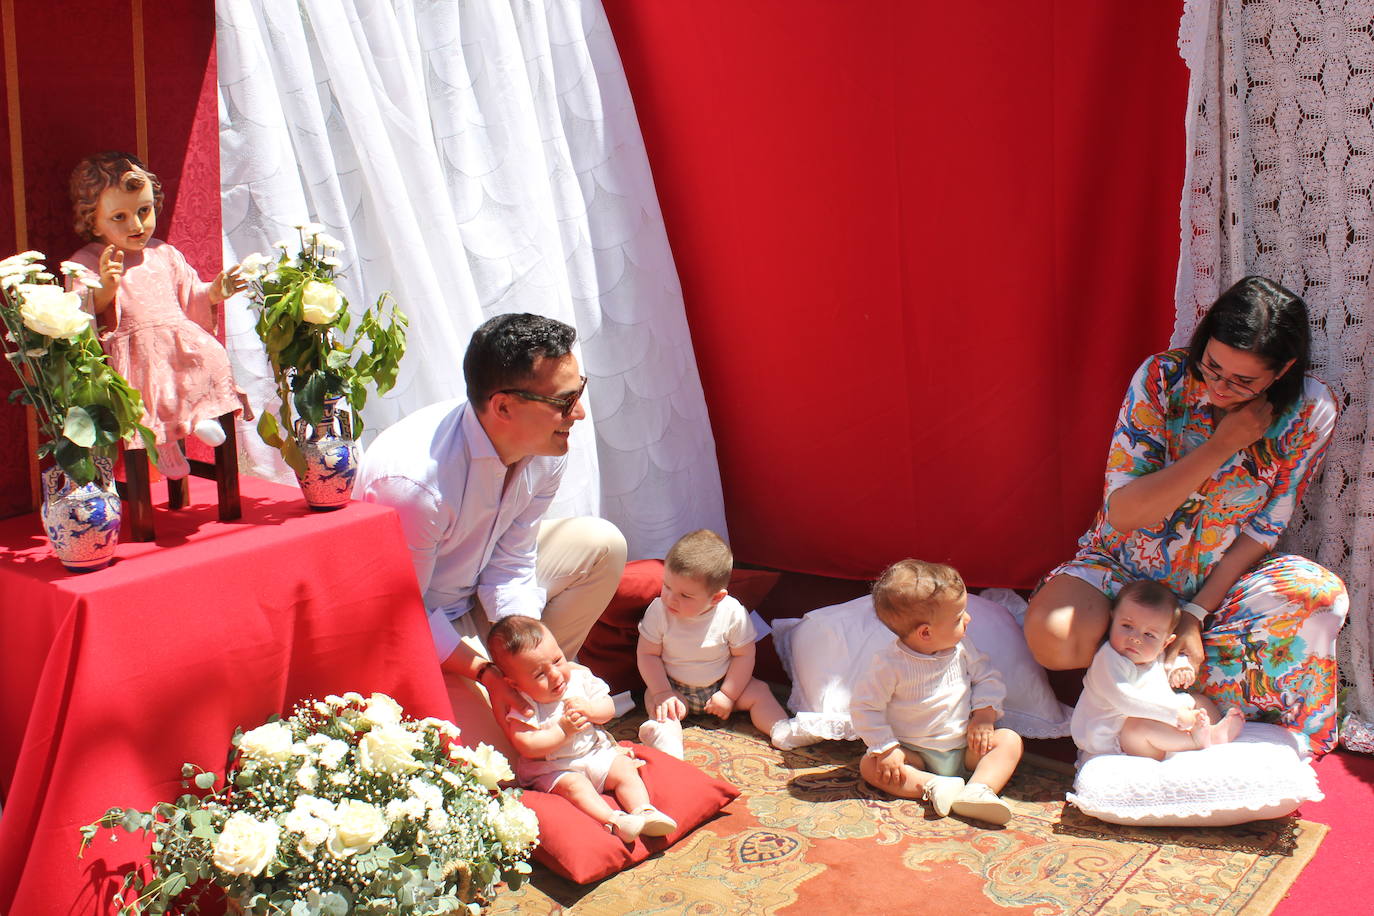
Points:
x=94 y=174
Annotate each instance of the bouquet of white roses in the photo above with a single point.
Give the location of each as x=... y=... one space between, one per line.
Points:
x=347 y=807
x=302 y=317
x=84 y=408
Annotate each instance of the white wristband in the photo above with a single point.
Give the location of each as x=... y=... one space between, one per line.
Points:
x=1196 y=610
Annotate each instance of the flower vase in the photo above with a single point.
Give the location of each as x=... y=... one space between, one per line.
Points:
x=331 y=457
x=82 y=522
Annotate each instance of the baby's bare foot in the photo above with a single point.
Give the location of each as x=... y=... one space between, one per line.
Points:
x=1228 y=729
x=1202 y=730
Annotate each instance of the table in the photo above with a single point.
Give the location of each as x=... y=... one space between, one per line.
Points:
x=112 y=679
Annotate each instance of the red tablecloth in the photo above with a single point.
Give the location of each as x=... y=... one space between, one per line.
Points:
x=110 y=680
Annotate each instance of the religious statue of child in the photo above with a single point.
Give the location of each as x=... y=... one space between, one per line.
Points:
x=160 y=333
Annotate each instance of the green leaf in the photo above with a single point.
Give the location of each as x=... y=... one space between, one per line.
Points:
x=308 y=398
x=174 y=884
x=205 y=780
x=268 y=430
x=201 y=818
x=79 y=427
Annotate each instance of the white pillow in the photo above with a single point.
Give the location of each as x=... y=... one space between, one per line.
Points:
x=1260 y=775
x=824 y=651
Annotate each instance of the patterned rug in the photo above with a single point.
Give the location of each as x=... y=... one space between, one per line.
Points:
x=809 y=837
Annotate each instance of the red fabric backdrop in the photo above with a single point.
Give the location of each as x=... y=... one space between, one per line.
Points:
x=922 y=247
x=71 y=89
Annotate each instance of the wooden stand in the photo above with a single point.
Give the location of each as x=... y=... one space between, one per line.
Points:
x=136 y=491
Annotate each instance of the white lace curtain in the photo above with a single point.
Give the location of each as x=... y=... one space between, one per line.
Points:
x=1280 y=181
x=475 y=158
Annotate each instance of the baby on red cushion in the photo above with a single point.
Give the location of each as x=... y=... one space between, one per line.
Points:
x=561 y=749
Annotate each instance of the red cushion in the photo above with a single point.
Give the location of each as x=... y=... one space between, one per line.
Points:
x=575 y=846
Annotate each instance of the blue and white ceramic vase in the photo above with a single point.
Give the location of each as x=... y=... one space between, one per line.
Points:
x=82 y=522
x=331 y=457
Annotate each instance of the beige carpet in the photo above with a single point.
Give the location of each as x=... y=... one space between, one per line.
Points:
x=808 y=837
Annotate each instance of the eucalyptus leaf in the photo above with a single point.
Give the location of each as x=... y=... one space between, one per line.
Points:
x=205 y=780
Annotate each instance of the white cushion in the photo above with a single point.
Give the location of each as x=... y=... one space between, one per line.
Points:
x=824 y=651
x=1260 y=775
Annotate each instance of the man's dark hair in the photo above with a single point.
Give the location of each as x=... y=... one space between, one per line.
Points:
x=503 y=351
x=1260 y=317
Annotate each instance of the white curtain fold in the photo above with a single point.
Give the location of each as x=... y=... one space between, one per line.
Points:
x=475 y=158
x=1280 y=181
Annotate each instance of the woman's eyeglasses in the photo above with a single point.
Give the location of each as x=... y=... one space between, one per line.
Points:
x=1213 y=376
x=565 y=405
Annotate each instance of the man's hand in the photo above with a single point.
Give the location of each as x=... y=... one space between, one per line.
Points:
x=720 y=705
x=504 y=698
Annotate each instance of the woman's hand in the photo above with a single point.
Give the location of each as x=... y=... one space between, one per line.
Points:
x=1184 y=656
x=1246 y=425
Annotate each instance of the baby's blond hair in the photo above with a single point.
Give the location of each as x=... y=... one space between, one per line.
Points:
x=908 y=593
x=701 y=555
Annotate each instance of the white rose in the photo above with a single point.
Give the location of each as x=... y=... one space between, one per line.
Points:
x=388 y=749
x=270 y=743
x=443 y=726
x=516 y=826
x=358 y=827
x=320 y=303
x=489 y=765
x=382 y=710
x=246 y=845
x=253 y=266
x=50 y=311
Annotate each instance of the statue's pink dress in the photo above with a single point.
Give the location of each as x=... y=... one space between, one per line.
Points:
x=158 y=334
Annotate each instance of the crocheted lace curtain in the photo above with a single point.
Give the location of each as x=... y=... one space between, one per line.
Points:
x=1279 y=183
x=475 y=158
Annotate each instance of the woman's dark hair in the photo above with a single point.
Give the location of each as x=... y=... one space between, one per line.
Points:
x=1263 y=318
x=503 y=351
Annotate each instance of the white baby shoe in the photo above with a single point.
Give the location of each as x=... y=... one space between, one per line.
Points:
x=626 y=827
x=941 y=792
x=982 y=804
x=656 y=823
